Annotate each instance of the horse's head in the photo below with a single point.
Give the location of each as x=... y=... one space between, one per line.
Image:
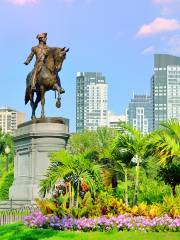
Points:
x=59 y=57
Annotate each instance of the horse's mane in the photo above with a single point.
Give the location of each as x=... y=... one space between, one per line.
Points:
x=52 y=58
x=52 y=51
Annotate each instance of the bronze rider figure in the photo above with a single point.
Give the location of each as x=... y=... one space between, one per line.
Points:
x=41 y=52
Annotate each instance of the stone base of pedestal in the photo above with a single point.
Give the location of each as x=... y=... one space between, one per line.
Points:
x=34 y=142
x=10 y=204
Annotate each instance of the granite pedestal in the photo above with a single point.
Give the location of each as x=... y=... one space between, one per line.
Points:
x=34 y=142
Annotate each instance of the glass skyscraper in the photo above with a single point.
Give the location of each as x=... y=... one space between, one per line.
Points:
x=139 y=113
x=165 y=87
x=91 y=101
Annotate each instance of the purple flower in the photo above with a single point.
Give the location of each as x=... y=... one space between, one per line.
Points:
x=103 y=223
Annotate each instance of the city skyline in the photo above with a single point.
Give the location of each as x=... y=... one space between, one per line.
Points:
x=118 y=39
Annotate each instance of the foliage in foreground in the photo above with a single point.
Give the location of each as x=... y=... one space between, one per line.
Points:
x=109 y=206
x=77 y=181
x=69 y=177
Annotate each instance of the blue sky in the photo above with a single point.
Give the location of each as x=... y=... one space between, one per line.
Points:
x=115 y=37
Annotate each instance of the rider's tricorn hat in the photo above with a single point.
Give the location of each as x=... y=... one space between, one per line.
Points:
x=41 y=35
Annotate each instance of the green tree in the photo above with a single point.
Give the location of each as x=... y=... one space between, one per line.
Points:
x=81 y=142
x=105 y=140
x=6 y=139
x=170 y=174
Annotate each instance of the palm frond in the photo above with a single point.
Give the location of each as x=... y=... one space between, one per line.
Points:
x=164 y=143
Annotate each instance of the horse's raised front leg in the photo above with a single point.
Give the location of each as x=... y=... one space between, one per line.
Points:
x=58 y=89
x=42 y=101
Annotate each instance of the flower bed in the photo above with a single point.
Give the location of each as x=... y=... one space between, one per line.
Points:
x=121 y=222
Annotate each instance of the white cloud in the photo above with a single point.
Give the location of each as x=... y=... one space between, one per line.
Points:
x=23 y=2
x=159 y=25
x=149 y=50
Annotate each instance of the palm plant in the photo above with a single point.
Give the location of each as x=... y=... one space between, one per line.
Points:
x=122 y=162
x=96 y=146
x=105 y=140
x=74 y=170
x=128 y=150
x=164 y=143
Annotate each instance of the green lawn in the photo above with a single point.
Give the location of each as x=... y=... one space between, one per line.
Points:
x=20 y=232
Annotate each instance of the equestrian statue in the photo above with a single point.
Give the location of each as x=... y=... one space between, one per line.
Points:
x=44 y=76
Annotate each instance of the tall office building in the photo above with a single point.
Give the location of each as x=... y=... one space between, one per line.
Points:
x=91 y=100
x=165 y=87
x=139 y=113
x=10 y=119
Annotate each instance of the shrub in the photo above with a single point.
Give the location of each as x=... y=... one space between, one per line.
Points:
x=5 y=184
x=106 y=204
x=153 y=191
x=47 y=206
x=171 y=206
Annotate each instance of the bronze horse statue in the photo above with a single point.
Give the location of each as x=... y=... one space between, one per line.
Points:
x=46 y=80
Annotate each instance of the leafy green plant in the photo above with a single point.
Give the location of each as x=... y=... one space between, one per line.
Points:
x=152 y=191
x=106 y=204
x=81 y=142
x=47 y=206
x=170 y=174
x=164 y=143
x=71 y=175
x=5 y=184
x=127 y=151
x=171 y=206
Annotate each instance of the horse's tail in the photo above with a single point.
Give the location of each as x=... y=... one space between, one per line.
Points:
x=26 y=99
